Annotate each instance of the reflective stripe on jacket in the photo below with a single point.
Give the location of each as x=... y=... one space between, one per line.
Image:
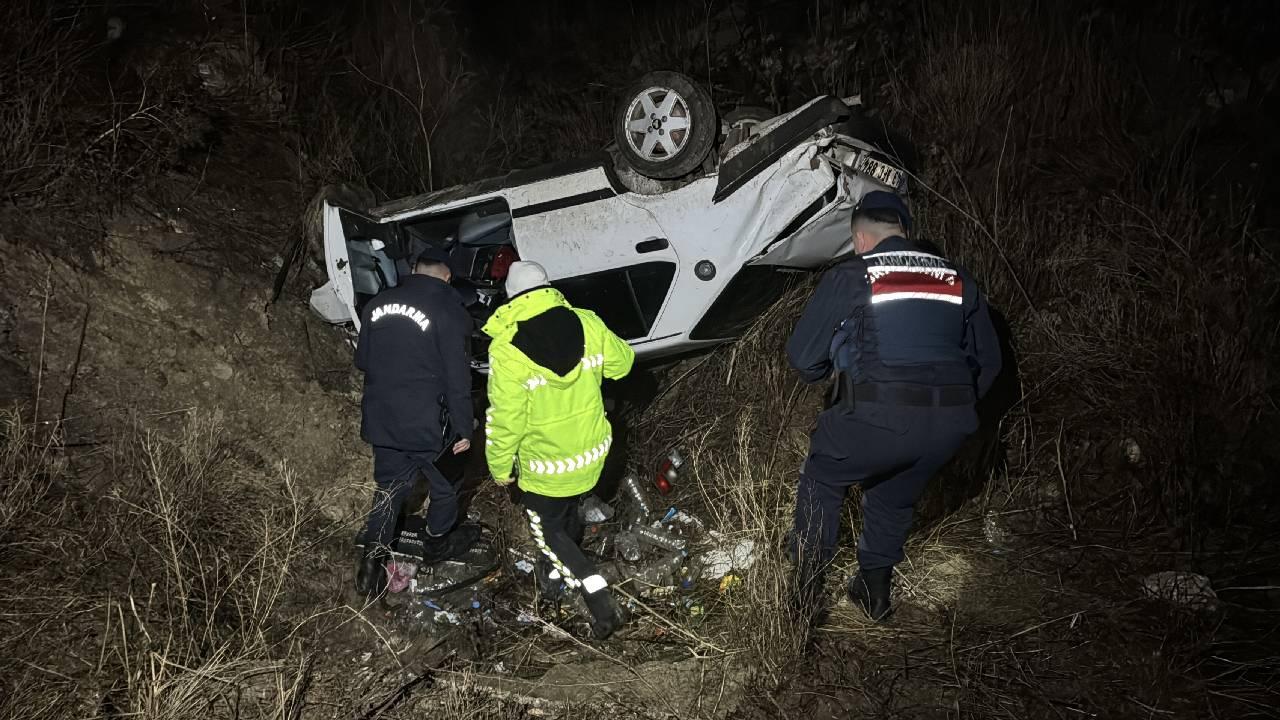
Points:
x=552 y=424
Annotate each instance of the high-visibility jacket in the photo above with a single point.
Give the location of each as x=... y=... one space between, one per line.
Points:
x=546 y=363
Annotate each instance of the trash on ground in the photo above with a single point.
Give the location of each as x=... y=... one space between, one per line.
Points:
x=659 y=573
x=729 y=582
x=994 y=531
x=668 y=471
x=680 y=517
x=469 y=568
x=524 y=566
x=1181 y=588
x=400 y=575
x=627 y=544
x=661 y=538
x=638 y=497
x=727 y=556
x=593 y=510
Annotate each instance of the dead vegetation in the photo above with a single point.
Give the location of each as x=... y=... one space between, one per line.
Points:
x=166 y=574
x=148 y=578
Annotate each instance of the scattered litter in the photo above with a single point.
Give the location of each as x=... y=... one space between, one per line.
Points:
x=628 y=545
x=668 y=471
x=593 y=510
x=1181 y=588
x=431 y=604
x=526 y=618
x=501 y=667
x=997 y=536
x=724 y=559
x=660 y=573
x=729 y=582
x=638 y=497
x=400 y=575
x=688 y=575
x=524 y=566
x=660 y=538
x=680 y=517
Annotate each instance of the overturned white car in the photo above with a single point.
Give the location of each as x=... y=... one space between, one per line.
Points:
x=675 y=246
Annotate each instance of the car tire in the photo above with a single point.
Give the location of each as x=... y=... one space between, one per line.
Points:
x=739 y=124
x=670 y=144
x=746 y=116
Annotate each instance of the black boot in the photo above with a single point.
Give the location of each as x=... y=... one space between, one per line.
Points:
x=371 y=573
x=870 y=590
x=550 y=588
x=450 y=546
x=606 y=616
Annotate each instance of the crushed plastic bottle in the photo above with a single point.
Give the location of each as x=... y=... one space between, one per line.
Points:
x=660 y=538
x=660 y=573
x=681 y=518
x=994 y=531
x=638 y=496
x=593 y=510
x=627 y=544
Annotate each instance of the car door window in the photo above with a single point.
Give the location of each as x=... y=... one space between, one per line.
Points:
x=628 y=299
x=372 y=267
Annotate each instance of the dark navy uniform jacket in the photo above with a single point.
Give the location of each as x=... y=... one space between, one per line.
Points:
x=414 y=351
x=914 y=318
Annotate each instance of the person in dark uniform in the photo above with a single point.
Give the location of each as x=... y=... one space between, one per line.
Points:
x=413 y=349
x=909 y=339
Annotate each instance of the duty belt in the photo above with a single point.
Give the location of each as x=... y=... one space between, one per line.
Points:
x=914 y=395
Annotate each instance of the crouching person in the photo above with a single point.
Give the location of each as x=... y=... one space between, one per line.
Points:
x=546 y=418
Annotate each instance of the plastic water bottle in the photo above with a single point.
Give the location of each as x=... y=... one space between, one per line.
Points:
x=634 y=490
x=660 y=538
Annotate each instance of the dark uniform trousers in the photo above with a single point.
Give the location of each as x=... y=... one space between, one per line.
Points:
x=557 y=530
x=891 y=452
x=396 y=472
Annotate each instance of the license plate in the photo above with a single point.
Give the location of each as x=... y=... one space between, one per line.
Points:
x=881 y=172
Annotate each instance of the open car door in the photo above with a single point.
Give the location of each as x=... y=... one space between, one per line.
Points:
x=357 y=262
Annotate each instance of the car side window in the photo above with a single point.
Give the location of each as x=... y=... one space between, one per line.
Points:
x=628 y=299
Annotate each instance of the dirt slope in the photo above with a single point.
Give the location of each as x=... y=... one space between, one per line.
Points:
x=156 y=331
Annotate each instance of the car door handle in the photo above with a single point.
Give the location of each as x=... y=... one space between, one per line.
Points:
x=652 y=245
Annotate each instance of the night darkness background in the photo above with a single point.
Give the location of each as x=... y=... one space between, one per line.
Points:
x=181 y=459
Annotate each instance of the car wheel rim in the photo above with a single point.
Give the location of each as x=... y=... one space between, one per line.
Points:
x=658 y=124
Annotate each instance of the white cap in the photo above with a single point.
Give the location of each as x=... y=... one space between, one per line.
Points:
x=524 y=276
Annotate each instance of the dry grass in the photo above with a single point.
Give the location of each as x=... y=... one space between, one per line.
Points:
x=161 y=592
x=37 y=76
x=1122 y=282
x=156 y=575
x=1120 y=279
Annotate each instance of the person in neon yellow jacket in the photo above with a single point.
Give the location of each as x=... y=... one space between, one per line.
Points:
x=546 y=423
